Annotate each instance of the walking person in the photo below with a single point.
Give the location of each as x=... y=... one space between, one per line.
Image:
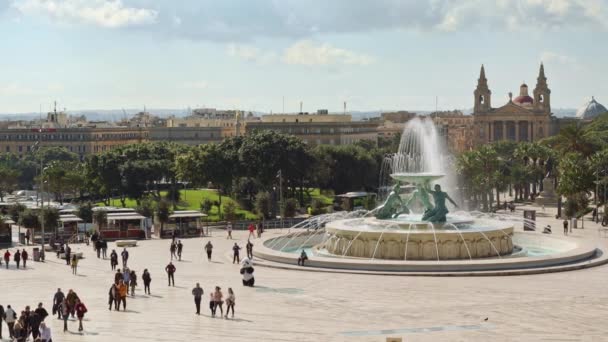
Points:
x=68 y=254
x=19 y=330
x=126 y=278
x=57 y=300
x=251 y=229
x=33 y=324
x=24 y=257
x=72 y=297
x=118 y=276
x=235 y=250
x=260 y=229
x=7 y=258
x=229 y=231
x=27 y=237
x=113 y=260
x=1 y=319
x=249 y=247
x=80 y=311
x=172 y=249
x=104 y=248
x=17 y=258
x=208 y=249
x=41 y=311
x=133 y=282
x=147 y=280
x=212 y=304
x=10 y=316
x=97 y=245
x=122 y=294
x=197 y=292
x=65 y=313
x=218 y=299
x=125 y=257
x=230 y=301
x=565 y=223
x=45 y=333
x=170 y=269
x=180 y=248
x=74 y=264
x=112 y=294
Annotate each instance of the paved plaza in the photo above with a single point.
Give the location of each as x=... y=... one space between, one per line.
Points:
x=290 y=305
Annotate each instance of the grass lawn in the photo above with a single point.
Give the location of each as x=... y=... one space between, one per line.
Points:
x=191 y=200
x=325 y=197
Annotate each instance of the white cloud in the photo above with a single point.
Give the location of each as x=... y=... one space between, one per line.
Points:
x=104 y=13
x=251 y=53
x=306 y=52
x=554 y=57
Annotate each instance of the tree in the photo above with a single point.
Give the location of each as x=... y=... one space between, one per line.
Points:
x=85 y=212
x=317 y=207
x=344 y=168
x=163 y=211
x=15 y=211
x=63 y=178
x=50 y=218
x=29 y=219
x=101 y=218
x=263 y=204
x=206 y=206
x=8 y=180
x=290 y=208
x=230 y=211
x=145 y=207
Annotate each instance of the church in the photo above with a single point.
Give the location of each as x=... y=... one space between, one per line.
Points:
x=523 y=118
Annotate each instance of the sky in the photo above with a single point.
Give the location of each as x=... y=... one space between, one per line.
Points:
x=252 y=54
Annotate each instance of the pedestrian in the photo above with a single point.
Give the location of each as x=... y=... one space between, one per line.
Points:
x=197 y=292
x=230 y=301
x=303 y=257
x=19 y=330
x=104 y=249
x=1 y=319
x=180 y=248
x=98 y=248
x=133 y=282
x=17 y=258
x=170 y=269
x=126 y=277
x=172 y=250
x=113 y=260
x=208 y=249
x=218 y=300
x=249 y=247
x=10 y=316
x=112 y=296
x=251 y=229
x=33 y=324
x=74 y=264
x=68 y=254
x=57 y=300
x=80 y=311
x=229 y=231
x=65 y=313
x=71 y=298
x=86 y=238
x=565 y=223
x=125 y=257
x=235 y=256
x=24 y=257
x=7 y=258
x=45 y=333
x=147 y=280
x=41 y=311
x=122 y=294
x=260 y=229
x=27 y=237
x=212 y=304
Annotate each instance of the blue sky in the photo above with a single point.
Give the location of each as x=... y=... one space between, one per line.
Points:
x=377 y=54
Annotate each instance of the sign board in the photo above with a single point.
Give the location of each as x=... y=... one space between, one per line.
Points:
x=529 y=219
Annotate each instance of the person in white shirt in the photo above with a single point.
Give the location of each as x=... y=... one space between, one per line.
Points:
x=229 y=231
x=45 y=333
x=10 y=317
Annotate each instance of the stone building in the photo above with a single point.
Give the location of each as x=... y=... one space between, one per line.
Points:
x=523 y=118
x=457 y=129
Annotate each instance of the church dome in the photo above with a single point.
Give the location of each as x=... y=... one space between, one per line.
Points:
x=523 y=98
x=591 y=110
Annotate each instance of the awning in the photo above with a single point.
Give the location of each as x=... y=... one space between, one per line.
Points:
x=119 y=217
x=187 y=213
x=69 y=218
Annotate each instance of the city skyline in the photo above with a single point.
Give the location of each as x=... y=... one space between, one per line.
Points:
x=381 y=55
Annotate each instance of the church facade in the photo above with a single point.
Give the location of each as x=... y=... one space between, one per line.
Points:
x=523 y=118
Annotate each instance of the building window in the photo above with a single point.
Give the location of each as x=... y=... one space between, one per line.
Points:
x=20 y=148
x=8 y=148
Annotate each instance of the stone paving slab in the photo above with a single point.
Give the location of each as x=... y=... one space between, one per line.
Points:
x=289 y=305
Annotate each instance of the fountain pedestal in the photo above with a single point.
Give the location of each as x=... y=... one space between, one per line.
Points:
x=403 y=240
x=548 y=195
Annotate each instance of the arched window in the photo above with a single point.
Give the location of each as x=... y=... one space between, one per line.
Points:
x=482 y=99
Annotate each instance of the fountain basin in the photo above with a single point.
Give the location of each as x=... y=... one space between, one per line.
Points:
x=414 y=240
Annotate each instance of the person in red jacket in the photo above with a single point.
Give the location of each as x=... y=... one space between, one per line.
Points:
x=80 y=311
x=7 y=257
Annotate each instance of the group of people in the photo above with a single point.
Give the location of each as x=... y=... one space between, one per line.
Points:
x=101 y=247
x=114 y=258
x=259 y=228
x=66 y=305
x=29 y=322
x=125 y=282
x=18 y=257
x=176 y=249
x=216 y=300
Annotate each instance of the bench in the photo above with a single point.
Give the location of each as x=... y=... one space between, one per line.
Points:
x=126 y=243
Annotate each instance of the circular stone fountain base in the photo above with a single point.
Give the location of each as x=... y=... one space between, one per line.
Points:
x=415 y=240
